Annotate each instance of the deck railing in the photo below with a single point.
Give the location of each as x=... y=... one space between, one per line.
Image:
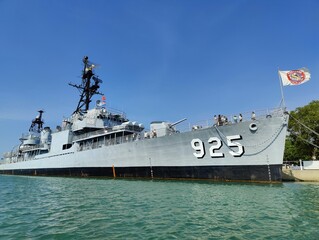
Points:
x=260 y=114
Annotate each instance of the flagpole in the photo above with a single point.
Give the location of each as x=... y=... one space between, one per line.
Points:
x=282 y=91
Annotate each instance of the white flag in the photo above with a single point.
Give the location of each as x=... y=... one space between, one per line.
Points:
x=294 y=77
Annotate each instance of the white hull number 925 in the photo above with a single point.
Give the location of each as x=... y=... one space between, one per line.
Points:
x=236 y=149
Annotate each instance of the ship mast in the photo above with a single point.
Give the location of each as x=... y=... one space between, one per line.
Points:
x=87 y=88
x=37 y=123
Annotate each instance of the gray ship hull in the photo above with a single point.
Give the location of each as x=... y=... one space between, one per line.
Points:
x=245 y=151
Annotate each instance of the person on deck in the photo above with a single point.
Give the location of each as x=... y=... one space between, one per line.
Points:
x=240 y=117
x=253 y=116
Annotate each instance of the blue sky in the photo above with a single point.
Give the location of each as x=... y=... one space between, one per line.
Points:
x=159 y=60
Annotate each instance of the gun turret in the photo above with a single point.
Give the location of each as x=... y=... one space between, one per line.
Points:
x=162 y=128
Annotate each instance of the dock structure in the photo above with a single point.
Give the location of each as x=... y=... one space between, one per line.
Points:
x=307 y=171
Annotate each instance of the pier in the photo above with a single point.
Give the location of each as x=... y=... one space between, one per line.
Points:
x=307 y=171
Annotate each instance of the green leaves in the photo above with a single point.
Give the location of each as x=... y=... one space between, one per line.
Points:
x=303 y=137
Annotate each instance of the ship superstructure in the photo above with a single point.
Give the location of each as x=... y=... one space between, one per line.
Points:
x=103 y=142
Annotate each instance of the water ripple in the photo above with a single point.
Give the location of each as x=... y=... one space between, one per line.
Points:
x=76 y=208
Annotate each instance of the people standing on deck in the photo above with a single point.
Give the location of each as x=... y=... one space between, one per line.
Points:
x=235 y=119
x=215 y=120
x=219 y=120
x=154 y=134
x=240 y=117
x=223 y=119
x=146 y=134
x=253 y=116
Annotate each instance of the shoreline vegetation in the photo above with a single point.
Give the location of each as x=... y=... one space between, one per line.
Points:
x=302 y=141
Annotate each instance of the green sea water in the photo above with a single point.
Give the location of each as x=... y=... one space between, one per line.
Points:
x=83 y=208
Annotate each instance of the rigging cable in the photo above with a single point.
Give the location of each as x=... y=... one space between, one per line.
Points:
x=314 y=145
x=303 y=125
x=313 y=131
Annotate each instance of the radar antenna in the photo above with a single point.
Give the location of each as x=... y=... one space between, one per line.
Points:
x=37 y=123
x=87 y=88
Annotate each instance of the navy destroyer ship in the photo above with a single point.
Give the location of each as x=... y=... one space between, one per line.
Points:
x=98 y=142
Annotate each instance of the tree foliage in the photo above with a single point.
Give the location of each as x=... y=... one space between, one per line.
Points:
x=301 y=141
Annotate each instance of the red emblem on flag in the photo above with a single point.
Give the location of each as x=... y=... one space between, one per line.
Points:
x=296 y=76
